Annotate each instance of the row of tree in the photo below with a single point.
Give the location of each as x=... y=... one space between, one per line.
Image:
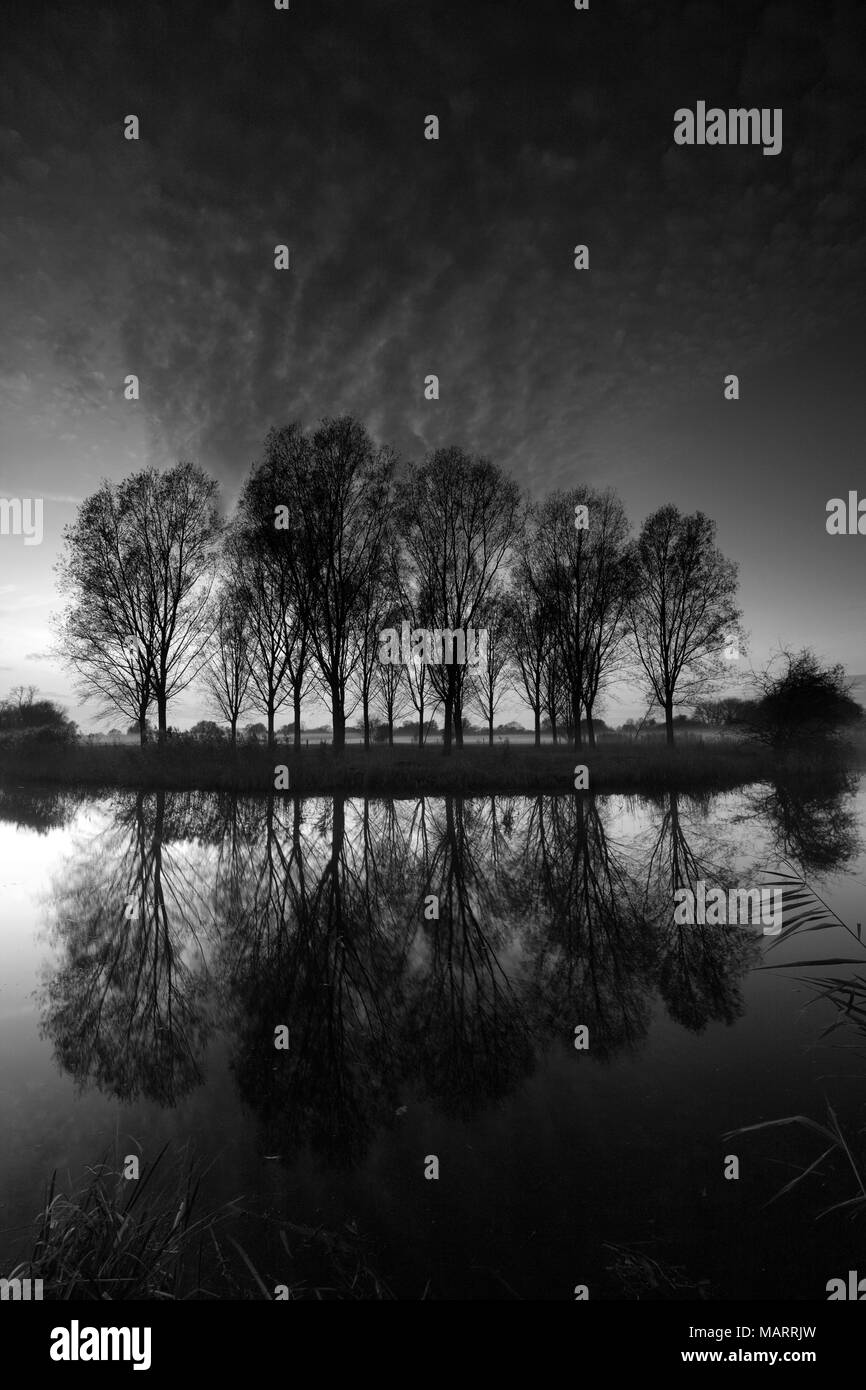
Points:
x=334 y=541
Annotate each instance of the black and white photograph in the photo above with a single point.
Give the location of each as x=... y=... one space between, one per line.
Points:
x=432 y=668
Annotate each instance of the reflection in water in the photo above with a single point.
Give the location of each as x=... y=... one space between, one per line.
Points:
x=38 y=810
x=126 y=1009
x=814 y=825
x=464 y=1031
x=699 y=968
x=433 y=947
x=310 y=943
x=594 y=954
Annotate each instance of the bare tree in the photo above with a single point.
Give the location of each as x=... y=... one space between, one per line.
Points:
x=459 y=516
x=682 y=609
x=270 y=560
x=227 y=674
x=336 y=498
x=555 y=696
x=138 y=568
x=176 y=518
x=21 y=697
x=584 y=572
x=491 y=679
x=528 y=618
x=392 y=691
x=421 y=693
x=609 y=585
x=376 y=602
x=391 y=680
x=107 y=632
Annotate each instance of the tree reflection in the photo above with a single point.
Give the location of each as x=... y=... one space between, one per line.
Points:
x=464 y=1033
x=125 y=1008
x=594 y=957
x=428 y=948
x=699 y=968
x=313 y=948
x=813 y=823
x=41 y=810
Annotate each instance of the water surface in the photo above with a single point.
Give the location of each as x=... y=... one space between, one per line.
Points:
x=151 y=943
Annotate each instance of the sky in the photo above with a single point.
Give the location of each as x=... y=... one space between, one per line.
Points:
x=305 y=127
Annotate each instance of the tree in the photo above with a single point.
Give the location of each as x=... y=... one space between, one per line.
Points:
x=21 y=710
x=337 y=508
x=804 y=703
x=227 y=674
x=255 y=733
x=137 y=566
x=528 y=620
x=178 y=527
x=21 y=697
x=261 y=585
x=106 y=633
x=207 y=731
x=376 y=601
x=555 y=694
x=610 y=580
x=148 y=730
x=273 y=557
x=490 y=680
x=459 y=516
x=391 y=684
x=682 y=607
x=584 y=572
x=723 y=713
x=422 y=695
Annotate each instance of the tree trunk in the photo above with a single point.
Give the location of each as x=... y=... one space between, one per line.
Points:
x=590 y=727
x=490 y=731
x=669 y=723
x=338 y=717
x=458 y=715
x=162 y=707
x=365 y=700
x=575 y=715
x=448 y=730
x=271 y=721
x=296 y=694
x=537 y=713
x=234 y=729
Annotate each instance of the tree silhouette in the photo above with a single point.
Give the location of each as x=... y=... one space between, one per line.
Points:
x=682 y=608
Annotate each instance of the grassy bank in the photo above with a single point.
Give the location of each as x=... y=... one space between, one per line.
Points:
x=407 y=770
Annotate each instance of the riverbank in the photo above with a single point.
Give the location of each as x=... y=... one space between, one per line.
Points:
x=407 y=770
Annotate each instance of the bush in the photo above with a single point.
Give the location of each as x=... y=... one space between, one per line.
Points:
x=805 y=703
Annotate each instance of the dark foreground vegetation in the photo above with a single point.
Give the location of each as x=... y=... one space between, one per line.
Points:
x=154 y=1237
x=613 y=766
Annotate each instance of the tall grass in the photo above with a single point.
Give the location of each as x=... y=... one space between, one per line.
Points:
x=119 y=1239
x=838 y=1144
x=805 y=911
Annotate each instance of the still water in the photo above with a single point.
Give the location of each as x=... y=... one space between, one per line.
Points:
x=151 y=943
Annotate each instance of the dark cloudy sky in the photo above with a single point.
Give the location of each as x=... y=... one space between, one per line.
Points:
x=409 y=257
